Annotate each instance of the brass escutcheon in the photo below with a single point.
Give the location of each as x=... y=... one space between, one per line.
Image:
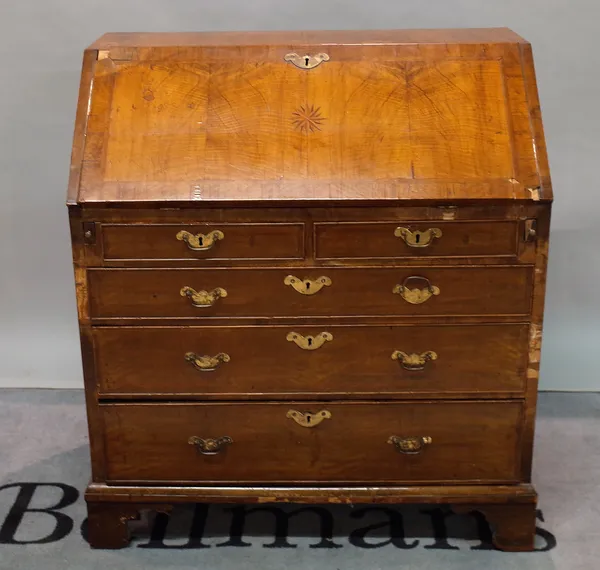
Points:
x=307 y=286
x=309 y=342
x=308 y=419
x=200 y=242
x=306 y=61
x=210 y=446
x=416 y=296
x=206 y=363
x=418 y=238
x=203 y=298
x=409 y=445
x=413 y=361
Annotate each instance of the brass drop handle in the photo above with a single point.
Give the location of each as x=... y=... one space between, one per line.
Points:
x=200 y=242
x=308 y=419
x=413 y=361
x=416 y=296
x=206 y=363
x=418 y=238
x=203 y=299
x=307 y=286
x=309 y=342
x=210 y=446
x=409 y=445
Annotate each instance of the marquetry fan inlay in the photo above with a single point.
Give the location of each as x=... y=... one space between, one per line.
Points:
x=307 y=118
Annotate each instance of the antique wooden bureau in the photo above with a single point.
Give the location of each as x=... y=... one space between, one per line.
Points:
x=310 y=267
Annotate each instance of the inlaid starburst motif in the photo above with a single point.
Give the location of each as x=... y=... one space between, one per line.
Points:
x=308 y=118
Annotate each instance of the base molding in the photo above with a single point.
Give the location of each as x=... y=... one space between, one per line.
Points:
x=437 y=494
x=509 y=509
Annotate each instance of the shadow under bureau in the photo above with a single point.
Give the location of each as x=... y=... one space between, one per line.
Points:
x=310 y=267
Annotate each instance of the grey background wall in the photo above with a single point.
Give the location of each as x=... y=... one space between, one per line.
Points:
x=41 y=43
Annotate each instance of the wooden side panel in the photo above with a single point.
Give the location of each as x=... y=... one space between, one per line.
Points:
x=90 y=377
x=98 y=128
x=535 y=337
x=523 y=138
x=79 y=141
x=537 y=127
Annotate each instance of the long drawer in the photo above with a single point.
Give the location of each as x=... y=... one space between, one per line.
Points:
x=411 y=291
x=296 y=361
x=321 y=442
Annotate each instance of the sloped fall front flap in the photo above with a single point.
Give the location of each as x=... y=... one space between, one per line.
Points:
x=383 y=121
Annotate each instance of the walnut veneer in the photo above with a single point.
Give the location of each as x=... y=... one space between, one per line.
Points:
x=310 y=267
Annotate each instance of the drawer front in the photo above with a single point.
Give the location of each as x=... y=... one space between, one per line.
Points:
x=348 y=442
x=433 y=361
x=232 y=292
x=203 y=241
x=383 y=240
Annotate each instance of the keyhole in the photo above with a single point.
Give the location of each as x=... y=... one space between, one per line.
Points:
x=307 y=286
x=201 y=241
x=417 y=238
x=310 y=341
x=308 y=419
x=306 y=60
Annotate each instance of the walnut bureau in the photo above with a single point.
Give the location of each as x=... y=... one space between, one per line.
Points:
x=310 y=267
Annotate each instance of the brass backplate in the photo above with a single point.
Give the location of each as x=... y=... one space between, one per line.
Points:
x=207 y=363
x=418 y=238
x=210 y=446
x=409 y=445
x=306 y=61
x=308 y=419
x=203 y=298
x=309 y=342
x=200 y=242
x=416 y=296
x=414 y=361
x=307 y=286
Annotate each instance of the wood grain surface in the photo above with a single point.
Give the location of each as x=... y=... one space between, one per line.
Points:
x=384 y=118
x=177 y=40
x=240 y=241
x=350 y=240
x=471 y=442
x=474 y=361
x=155 y=293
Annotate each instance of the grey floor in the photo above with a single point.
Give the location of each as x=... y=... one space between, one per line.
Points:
x=45 y=466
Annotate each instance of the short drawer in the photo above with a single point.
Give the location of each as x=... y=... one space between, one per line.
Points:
x=385 y=240
x=203 y=241
x=234 y=292
x=313 y=442
x=431 y=361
